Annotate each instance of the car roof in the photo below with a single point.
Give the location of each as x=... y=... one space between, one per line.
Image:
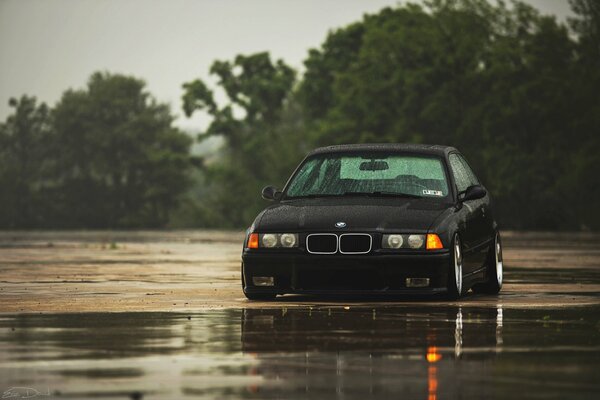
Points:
x=391 y=147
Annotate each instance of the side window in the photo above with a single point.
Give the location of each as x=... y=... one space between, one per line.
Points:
x=472 y=178
x=460 y=174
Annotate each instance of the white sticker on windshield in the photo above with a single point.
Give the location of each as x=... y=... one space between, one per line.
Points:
x=432 y=192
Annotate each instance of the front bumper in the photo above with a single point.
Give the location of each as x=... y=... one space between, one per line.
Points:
x=385 y=274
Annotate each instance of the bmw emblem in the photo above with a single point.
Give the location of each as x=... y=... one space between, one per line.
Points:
x=340 y=224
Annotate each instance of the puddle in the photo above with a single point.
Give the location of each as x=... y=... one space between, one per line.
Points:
x=360 y=352
x=562 y=276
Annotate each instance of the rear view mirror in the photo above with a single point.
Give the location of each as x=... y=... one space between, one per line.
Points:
x=473 y=193
x=271 y=193
x=374 y=165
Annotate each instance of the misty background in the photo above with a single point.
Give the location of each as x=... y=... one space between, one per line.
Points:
x=47 y=46
x=176 y=113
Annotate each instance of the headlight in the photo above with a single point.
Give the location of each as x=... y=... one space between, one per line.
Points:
x=394 y=241
x=416 y=241
x=398 y=241
x=271 y=240
x=288 y=240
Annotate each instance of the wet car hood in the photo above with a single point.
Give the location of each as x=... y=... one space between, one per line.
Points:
x=359 y=214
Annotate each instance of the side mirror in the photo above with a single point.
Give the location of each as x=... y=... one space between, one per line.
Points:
x=473 y=193
x=271 y=193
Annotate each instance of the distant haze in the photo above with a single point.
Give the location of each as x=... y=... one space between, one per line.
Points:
x=48 y=46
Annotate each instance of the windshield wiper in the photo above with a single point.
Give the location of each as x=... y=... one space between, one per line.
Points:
x=312 y=196
x=383 y=194
x=348 y=194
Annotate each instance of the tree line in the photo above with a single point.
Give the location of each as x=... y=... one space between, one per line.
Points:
x=517 y=92
x=106 y=156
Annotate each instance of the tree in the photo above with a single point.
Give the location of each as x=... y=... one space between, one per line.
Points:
x=586 y=25
x=23 y=140
x=261 y=125
x=118 y=161
x=579 y=177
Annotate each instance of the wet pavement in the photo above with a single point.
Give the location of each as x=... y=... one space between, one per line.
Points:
x=325 y=352
x=161 y=315
x=197 y=270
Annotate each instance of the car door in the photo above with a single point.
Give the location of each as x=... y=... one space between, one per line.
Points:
x=472 y=214
x=485 y=229
x=483 y=220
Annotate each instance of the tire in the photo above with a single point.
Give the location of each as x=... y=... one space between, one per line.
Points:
x=455 y=285
x=494 y=270
x=256 y=296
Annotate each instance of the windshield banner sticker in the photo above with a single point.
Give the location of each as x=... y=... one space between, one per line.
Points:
x=432 y=192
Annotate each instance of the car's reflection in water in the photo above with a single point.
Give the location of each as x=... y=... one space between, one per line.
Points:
x=361 y=353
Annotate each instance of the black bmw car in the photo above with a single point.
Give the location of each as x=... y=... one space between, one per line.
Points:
x=375 y=219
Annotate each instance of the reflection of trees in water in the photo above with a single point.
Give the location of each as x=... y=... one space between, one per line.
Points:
x=429 y=352
x=116 y=335
x=119 y=355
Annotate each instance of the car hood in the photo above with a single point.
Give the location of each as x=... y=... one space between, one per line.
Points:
x=359 y=214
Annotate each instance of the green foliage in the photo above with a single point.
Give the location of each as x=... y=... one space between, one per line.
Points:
x=587 y=26
x=106 y=157
x=262 y=128
x=23 y=155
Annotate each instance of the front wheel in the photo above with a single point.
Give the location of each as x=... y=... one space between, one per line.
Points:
x=494 y=270
x=455 y=275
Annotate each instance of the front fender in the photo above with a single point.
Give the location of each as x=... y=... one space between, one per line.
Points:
x=447 y=224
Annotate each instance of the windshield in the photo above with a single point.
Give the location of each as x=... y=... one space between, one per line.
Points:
x=370 y=174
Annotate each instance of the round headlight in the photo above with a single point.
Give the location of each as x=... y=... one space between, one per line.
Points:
x=288 y=240
x=269 y=240
x=394 y=241
x=415 y=241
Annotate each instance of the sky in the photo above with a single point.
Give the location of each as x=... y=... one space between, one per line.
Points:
x=48 y=46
